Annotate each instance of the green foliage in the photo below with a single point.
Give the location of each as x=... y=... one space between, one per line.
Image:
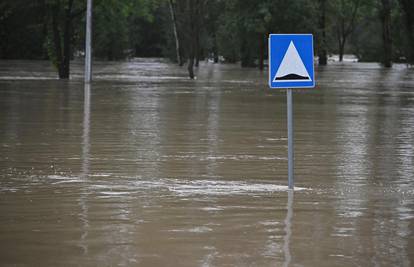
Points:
x=244 y=23
x=22 y=30
x=50 y=50
x=146 y=35
x=407 y=8
x=363 y=43
x=233 y=29
x=227 y=33
x=110 y=34
x=366 y=42
x=122 y=28
x=400 y=42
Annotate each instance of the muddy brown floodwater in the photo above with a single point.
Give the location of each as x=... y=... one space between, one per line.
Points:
x=148 y=168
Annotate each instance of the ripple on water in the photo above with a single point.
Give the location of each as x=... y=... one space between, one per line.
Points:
x=217 y=187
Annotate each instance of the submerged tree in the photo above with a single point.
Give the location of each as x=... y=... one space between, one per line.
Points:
x=322 y=52
x=189 y=20
x=111 y=29
x=62 y=14
x=385 y=18
x=175 y=31
x=214 y=11
x=191 y=35
x=227 y=35
x=407 y=7
x=347 y=13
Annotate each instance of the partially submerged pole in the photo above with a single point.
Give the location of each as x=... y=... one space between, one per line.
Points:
x=88 y=43
x=290 y=139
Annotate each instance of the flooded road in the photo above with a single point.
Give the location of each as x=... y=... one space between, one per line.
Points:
x=148 y=168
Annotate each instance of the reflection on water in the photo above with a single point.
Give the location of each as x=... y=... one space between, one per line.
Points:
x=85 y=165
x=86 y=130
x=148 y=168
x=288 y=230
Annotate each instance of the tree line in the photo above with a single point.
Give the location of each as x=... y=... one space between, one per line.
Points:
x=187 y=31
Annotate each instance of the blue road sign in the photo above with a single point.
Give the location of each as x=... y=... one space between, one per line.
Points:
x=291 y=61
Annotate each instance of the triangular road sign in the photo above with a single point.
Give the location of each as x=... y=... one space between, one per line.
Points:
x=291 y=60
x=291 y=68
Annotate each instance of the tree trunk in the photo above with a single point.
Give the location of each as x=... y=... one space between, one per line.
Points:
x=408 y=7
x=196 y=17
x=191 y=38
x=261 y=51
x=385 y=16
x=62 y=50
x=215 y=49
x=177 y=40
x=341 y=40
x=215 y=55
x=346 y=26
x=67 y=33
x=322 y=53
x=341 y=51
x=4 y=32
x=197 y=48
x=45 y=28
x=57 y=43
x=190 y=67
x=245 y=54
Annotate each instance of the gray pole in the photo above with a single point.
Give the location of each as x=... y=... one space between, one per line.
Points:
x=88 y=43
x=290 y=137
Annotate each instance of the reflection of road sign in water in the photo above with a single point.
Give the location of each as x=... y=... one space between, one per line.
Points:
x=291 y=61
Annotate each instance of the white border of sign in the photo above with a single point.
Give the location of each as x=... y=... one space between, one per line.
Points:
x=268 y=62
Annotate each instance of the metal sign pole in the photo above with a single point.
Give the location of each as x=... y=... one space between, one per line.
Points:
x=88 y=45
x=290 y=138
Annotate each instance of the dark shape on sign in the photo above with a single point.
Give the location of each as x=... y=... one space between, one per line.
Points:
x=292 y=76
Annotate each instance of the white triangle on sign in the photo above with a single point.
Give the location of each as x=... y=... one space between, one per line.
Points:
x=291 y=68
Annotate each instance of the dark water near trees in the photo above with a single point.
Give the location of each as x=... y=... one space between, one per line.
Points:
x=148 y=168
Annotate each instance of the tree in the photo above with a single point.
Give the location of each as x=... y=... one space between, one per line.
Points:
x=248 y=24
x=214 y=13
x=23 y=30
x=322 y=52
x=235 y=30
x=146 y=35
x=111 y=29
x=347 y=13
x=227 y=34
x=190 y=18
x=385 y=18
x=175 y=31
x=191 y=13
x=62 y=13
x=127 y=28
x=263 y=29
x=407 y=7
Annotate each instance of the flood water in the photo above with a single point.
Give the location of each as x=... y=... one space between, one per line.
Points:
x=148 y=168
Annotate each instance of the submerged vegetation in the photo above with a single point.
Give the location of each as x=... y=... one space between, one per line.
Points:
x=187 y=31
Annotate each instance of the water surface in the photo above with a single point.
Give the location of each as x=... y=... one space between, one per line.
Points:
x=148 y=168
